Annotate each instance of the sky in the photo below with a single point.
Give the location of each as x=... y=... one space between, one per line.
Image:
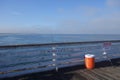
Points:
x=60 y=16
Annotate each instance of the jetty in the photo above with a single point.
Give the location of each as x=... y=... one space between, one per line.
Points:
x=103 y=71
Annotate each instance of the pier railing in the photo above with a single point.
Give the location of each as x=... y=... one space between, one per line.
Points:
x=18 y=60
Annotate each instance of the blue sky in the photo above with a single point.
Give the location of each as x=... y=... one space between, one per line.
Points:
x=60 y=16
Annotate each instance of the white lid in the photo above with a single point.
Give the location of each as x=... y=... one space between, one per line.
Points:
x=89 y=55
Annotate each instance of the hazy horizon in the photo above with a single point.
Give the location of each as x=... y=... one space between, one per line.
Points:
x=60 y=16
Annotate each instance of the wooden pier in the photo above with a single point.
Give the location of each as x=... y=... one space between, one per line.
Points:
x=103 y=71
x=41 y=61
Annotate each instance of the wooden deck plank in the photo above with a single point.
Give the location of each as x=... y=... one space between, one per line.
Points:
x=102 y=72
x=110 y=71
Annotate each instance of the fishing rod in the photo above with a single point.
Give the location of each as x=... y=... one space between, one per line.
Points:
x=54 y=53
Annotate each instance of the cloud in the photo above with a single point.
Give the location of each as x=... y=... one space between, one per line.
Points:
x=105 y=24
x=90 y=20
x=113 y=3
x=87 y=10
x=80 y=10
x=43 y=29
x=99 y=25
x=67 y=27
x=27 y=29
x=15 y=13
x=60 y=10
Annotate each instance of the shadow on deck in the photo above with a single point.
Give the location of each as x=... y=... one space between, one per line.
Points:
x=103 y=71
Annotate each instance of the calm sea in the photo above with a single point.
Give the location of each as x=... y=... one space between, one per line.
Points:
x=13 y=39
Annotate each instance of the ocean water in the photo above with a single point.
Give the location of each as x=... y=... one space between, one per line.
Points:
x=14 y=39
